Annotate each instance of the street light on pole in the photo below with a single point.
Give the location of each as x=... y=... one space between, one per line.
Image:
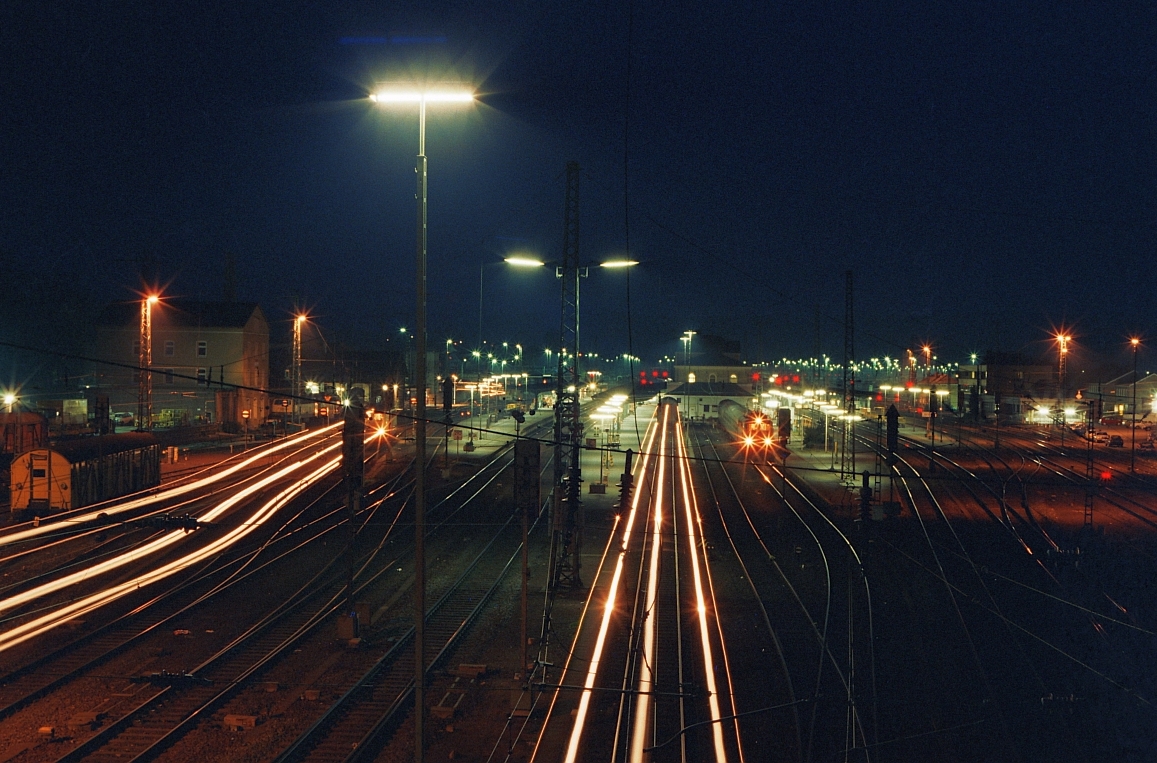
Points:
x=517 y=261
x=421 y=97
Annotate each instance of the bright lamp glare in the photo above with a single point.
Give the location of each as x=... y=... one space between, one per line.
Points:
x=417 y=96
x=524 y=262
x=618 y=264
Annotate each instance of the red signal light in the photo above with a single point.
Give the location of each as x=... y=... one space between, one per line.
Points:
x=1106 y=475
x=654 y=373
x=664 y=374
x=795 y=379
x=755 y=377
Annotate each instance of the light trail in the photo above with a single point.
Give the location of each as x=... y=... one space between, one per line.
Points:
x=646 y=679
x=694 y=540
x=163 y=495
x=609 y=607
x=154 y=546
x=82 y=606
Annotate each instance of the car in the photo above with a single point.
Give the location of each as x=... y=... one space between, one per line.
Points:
x=123 y=419
x=1100 y=436
x=1116 y=441
x=1146 y=445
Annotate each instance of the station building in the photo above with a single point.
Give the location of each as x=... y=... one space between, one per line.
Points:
x=210 y=361
x=1018 y=383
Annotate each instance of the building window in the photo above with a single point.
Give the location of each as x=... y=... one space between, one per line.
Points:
x=168 y=372
x=170 y=348
x=734 y=378
x=202 y=349
x=202 y=375
x=707 y=409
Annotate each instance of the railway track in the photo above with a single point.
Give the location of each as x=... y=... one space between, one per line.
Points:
x=164 y=717
x=647 y=676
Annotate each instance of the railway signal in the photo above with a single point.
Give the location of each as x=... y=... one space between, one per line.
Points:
x=893 y=433
x=625 y=485
x=448 y=395
x=866 y=499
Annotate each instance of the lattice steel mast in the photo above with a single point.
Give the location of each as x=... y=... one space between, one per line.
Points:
x=567 y=522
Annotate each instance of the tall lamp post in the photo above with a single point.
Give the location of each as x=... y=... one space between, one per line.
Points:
x=1136 y=344
x=145 y=361
x=390 y=97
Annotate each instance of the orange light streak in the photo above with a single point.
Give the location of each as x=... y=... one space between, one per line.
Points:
x=42 y=624
x=609 y=607
x=159 y=544
x=646 y=679
x=694 y=540
x=163 y=495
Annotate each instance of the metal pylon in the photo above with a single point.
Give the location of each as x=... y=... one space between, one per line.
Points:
x=567 y=524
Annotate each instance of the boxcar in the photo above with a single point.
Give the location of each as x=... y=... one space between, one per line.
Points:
x=77 y=473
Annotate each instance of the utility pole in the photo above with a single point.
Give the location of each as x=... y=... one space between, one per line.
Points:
x=567 y=520
x=1090 y=486
x=848 y=457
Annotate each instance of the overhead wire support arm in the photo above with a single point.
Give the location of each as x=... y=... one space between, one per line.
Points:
x=566 y=520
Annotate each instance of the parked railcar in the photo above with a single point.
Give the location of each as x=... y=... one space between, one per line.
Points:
x=81 y=472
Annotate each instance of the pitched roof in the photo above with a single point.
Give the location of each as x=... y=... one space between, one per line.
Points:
x=183 y=313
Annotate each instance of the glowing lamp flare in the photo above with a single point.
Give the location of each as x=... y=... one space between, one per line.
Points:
x=418 y=96
x=524 y=262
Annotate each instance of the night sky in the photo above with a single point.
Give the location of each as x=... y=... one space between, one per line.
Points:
x=985 y=169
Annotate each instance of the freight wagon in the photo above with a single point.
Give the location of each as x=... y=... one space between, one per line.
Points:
x=78 y=473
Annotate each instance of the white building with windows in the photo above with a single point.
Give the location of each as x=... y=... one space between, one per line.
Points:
x=210 y=360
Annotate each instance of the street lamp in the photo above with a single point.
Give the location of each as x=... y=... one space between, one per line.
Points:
x=517 y=261
x=9 y=400
x=1136 y=344
x=405 y=96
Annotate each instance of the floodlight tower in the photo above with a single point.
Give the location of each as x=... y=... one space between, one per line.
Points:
x=1062 y=361
x=145 y=361
x=296 y=393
